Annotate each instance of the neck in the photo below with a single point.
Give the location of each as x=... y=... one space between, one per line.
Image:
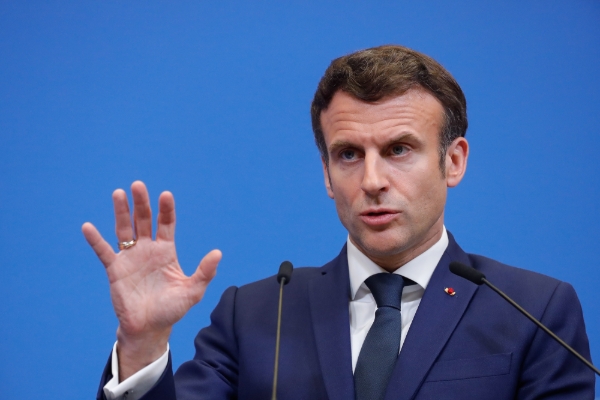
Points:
x=391 y=262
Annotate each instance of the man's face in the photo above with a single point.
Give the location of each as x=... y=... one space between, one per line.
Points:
x=384 y=172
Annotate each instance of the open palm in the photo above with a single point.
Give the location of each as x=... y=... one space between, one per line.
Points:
x=149 y=291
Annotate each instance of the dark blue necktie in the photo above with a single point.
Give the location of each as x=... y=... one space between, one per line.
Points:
x=379 y=352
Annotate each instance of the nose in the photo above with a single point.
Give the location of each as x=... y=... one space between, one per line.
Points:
x=374 y=180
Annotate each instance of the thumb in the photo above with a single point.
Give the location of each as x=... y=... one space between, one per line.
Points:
x=207 y=269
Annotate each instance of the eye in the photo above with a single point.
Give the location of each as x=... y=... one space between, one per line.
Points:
x=398 y=150
x=348 y=154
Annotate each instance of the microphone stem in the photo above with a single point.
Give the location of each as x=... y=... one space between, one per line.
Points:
x=274 y=392
x=538 y=323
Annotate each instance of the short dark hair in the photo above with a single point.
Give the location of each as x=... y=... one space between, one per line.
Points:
x=379 y=72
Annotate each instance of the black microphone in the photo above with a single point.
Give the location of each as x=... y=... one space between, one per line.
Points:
x=471 y=274
x=283 y=277
x=285 y=272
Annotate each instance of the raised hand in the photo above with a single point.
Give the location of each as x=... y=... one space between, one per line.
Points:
x=149 y=291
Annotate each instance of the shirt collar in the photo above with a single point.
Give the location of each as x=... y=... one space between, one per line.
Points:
x=419 y=269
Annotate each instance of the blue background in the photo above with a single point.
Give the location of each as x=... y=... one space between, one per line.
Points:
x=211 y=101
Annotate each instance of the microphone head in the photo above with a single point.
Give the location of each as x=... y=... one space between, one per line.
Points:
x=469 y=273
x=285 y=272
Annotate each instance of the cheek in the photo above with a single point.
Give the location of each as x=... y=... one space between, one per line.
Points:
x=423 y=191
x=346 y=200
x=344 y=188
x=344 y=212
x=433 y=199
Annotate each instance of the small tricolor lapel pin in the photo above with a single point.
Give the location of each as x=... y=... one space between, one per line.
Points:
x=450 y=291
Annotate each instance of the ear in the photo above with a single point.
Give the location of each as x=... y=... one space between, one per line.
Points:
x=456 y=161
x=327 y=178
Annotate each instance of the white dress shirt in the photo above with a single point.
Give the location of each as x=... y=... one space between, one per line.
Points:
x=362 y=314
x=362 y=303
x=137 y=384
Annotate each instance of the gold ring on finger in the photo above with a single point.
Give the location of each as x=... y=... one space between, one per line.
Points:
x=126 y=245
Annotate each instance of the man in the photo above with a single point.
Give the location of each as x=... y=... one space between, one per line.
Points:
x=384 y=319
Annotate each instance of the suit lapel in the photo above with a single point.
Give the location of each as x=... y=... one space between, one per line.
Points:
x=329 y=294
x=435 y=320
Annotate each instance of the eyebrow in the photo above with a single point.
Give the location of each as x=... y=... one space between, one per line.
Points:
x=340 y=144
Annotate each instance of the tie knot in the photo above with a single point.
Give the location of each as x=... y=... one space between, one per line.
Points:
x=386 y=289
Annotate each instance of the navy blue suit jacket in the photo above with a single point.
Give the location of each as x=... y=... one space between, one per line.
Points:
x=472 y=345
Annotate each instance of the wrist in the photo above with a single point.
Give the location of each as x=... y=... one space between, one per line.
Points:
x=139 y=351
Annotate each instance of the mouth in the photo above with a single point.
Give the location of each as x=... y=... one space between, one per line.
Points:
x=378 y=217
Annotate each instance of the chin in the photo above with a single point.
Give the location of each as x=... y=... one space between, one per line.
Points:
x=382 y=244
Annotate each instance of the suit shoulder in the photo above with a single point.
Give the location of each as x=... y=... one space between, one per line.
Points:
x=300 y=276
x=536 y=292
x=514 y=278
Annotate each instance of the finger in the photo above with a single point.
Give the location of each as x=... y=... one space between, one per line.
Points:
x=123 y=227
x=102 y=249
x=142 y=215
x=166 y=217
x=207 y=269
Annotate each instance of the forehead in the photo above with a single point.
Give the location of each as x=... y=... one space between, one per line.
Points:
x=416 y=112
